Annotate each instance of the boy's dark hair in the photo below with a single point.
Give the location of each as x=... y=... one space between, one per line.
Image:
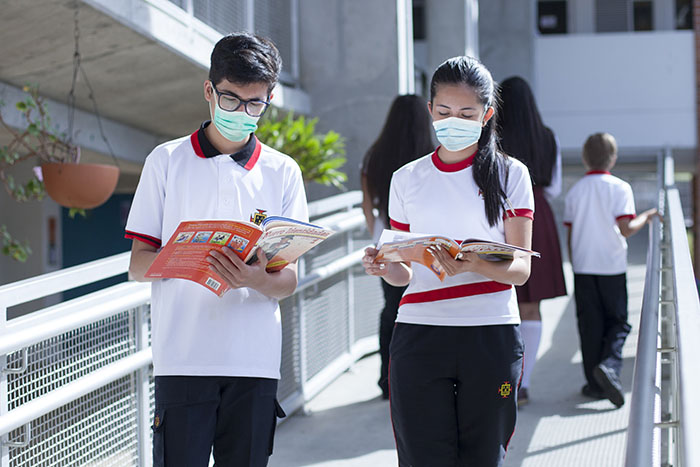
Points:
x=599 y=151
x=244 y=58
x=489 y=162
x=523 y=134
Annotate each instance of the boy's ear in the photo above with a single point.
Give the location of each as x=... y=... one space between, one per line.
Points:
x=208 y=90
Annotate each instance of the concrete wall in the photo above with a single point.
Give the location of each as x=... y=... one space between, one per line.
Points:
x=349 y=68
x=506 y=37
x=449 y=31
x=638 y=86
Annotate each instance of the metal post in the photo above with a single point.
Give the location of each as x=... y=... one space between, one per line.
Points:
x=143 y=391
x=351 y=293
x=301 y=272
x=4 y=449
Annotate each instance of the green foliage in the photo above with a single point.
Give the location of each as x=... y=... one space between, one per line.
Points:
x=13 y=248
x=38 y=142
x=319 y=156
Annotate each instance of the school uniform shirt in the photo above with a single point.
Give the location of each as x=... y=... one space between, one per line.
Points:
x=591 y=209
x=431 y=197
x=194 y=332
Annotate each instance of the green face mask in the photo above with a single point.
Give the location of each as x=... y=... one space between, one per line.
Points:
x=234 y=126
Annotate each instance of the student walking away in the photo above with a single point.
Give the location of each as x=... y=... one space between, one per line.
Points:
x=407 y=134
x=456 y=352
x=525 y=137
x=217 y=360
x=599 y=213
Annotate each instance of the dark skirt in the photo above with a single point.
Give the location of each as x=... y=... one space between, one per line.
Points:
x=546 y=274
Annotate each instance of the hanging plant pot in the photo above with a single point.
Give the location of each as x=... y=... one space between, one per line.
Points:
x=83 y=186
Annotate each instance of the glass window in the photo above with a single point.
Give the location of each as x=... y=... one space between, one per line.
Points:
x=684 y=14
x=551 y=16
x=643 y=16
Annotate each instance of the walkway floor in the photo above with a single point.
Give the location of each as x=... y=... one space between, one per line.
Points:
x=348 y=423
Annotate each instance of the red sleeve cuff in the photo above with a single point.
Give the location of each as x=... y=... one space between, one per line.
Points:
x=519 y=213
x=153 y=241
x=567 y=224
x=626 y=216
x=400 y=225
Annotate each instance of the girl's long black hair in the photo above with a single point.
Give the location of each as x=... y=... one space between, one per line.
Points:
x=489 y=162
x=523 y=134
x=406 y=136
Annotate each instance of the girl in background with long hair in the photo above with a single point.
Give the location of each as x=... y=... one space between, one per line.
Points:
x=525 y=137
x=456 y=352
x=406 y=136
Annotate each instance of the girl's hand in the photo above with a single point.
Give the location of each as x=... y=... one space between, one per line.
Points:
x=468 y=261
x=372 y=267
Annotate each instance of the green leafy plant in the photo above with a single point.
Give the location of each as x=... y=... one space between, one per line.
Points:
x=38 y=141
x=319 y=155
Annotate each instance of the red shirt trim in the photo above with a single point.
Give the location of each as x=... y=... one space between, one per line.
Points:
x=195 y=145
x=458 y=291
x=519 y=213
x=256 y=155
x=627 y=216
x=567 y=224
x=153 y=241
x=399 y=225
x=598 y=172
x=456 y=167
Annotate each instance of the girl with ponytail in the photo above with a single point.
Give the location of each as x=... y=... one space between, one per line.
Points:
x=456 y=352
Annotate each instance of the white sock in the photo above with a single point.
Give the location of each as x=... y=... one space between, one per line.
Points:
x=531 y=332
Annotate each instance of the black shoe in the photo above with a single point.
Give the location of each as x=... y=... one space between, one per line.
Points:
x=588 y=391
x=607 y=379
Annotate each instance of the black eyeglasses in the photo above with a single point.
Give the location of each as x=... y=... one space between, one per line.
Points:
x=231 y=102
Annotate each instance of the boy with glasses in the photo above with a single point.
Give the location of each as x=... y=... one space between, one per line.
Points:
x=216 y=360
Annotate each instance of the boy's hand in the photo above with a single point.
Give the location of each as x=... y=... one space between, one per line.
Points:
x=235 y=272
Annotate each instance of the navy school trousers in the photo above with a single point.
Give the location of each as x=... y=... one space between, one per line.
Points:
x=453 y=392
x=601 y=311
x=236 y=416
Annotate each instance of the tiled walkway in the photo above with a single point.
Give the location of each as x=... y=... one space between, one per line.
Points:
x=348 y=423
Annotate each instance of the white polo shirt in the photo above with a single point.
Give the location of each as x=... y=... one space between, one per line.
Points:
x=591 y=209
x=194 y=332
x=431 y=197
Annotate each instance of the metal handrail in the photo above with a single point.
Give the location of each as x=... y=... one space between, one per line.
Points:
x=687 y=309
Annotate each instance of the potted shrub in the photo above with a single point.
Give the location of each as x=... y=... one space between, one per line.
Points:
x=319 y=156
x=72 y=185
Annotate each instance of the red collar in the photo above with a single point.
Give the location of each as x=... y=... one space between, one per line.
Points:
x=456 y=167
x=246 y=157
x=598 y=172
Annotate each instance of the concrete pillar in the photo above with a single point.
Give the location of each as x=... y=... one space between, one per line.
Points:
x=349 y=64
x=452 y=30
x=506 y=37
x=581 y=16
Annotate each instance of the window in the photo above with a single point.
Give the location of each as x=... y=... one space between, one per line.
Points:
x=551 y=16
x=684 y=14
x=643 y=16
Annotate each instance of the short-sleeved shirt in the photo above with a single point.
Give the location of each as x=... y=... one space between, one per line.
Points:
x=592 y=208
x=194 y=332
x=432 y=197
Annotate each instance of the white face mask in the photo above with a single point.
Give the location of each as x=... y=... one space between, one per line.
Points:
x=456 y=133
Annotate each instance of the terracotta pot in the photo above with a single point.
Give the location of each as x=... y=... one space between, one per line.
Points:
x=83 y=186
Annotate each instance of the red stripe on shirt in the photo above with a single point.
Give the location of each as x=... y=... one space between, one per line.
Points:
x=256 y=155
x=626 y=216
x=458 y=291
x=400 y=226
x=153 y=241
x=519 y=213
x=567 y=224
x=195 y=145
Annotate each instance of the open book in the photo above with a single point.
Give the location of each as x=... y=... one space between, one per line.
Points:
x=184 y=256
x=395 y=245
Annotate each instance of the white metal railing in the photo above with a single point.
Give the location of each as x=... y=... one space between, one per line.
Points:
x=664 y=426
x=68 y=368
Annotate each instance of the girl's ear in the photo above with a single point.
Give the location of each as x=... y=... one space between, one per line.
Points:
x=487 y=116
x=430 y=107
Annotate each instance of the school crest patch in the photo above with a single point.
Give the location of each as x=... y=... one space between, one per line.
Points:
x=258 y=216
x=505 y=390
